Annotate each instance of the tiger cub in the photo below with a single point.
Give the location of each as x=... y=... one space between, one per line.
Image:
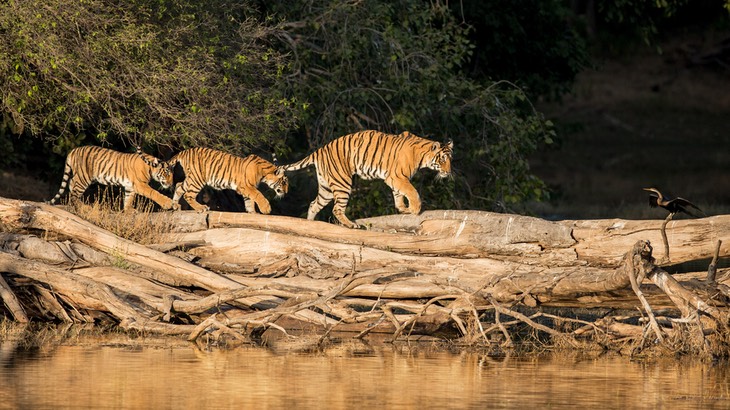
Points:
x=370 y=155
x=220 y=170
x=85 y=165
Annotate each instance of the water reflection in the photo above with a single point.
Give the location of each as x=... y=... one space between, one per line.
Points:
x=356 y=376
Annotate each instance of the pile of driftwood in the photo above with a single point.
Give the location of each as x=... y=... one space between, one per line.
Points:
x=466 y=276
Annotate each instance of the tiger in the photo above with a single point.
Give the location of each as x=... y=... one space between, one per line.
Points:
x=132 y=171
x=370 y=155
x=220 y=170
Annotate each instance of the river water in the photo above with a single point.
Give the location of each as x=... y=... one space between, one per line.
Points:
x=349 y=376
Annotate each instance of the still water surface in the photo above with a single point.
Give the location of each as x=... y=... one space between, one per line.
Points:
x=181 y=377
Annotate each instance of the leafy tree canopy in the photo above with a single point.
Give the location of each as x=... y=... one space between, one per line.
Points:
x=396 y=66
x=169 y=72
x=292 y=75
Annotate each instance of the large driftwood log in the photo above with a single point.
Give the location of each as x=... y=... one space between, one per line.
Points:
x=473 y=234
x=518 y=257
x=14 y=214
x=438 y=273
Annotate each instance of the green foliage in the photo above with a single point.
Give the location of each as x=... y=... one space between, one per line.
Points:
x=395 y=66
x=170 y=72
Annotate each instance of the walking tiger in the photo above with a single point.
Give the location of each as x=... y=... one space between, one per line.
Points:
x=372 y=154
x=88 y=164
x=220 y=170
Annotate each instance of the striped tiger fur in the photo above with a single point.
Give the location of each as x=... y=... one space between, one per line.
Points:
x=220 y=170
x=132 y=171
x=370 y=155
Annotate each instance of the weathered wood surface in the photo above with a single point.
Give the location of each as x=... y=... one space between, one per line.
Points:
x=436 y=272
x=512 y=256
x=474 y=234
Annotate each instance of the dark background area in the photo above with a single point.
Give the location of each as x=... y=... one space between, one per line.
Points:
x=639 y=97
x=632 y=122
x=639 y=120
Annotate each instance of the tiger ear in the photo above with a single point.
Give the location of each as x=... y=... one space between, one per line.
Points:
x=435 y=146
x=450 y=144
x=279 y=171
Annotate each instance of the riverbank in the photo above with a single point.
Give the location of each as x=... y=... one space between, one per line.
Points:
x=647 y=119
x=467 y=279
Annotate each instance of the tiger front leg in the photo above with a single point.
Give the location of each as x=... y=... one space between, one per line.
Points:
x=129 y=199
x=255 y=197
x=339 y=208
x=404 y=190
x=151 y=194
x=324 y=197
x=400 y=202
x=163 y=201
x=190 y=198
x=250 y=205
x=189 y=194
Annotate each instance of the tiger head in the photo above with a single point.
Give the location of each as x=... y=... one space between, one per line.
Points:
x=159 y=171
x=277 y=181
x=438 y=158
x=162 y=173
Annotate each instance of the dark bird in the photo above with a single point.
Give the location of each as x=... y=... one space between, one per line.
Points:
x=673 y=205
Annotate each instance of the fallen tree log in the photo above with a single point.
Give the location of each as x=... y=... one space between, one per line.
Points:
x=473 y=234
x=467 y=275
x=14 y=215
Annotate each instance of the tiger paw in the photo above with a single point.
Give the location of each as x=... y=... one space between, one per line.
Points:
x=415 y=210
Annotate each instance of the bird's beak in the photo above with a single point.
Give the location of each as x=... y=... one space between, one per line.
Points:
x=648 y=189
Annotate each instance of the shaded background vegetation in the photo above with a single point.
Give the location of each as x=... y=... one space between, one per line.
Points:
x=506 y=80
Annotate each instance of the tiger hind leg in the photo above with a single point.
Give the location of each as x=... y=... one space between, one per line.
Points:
x=76 y=189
